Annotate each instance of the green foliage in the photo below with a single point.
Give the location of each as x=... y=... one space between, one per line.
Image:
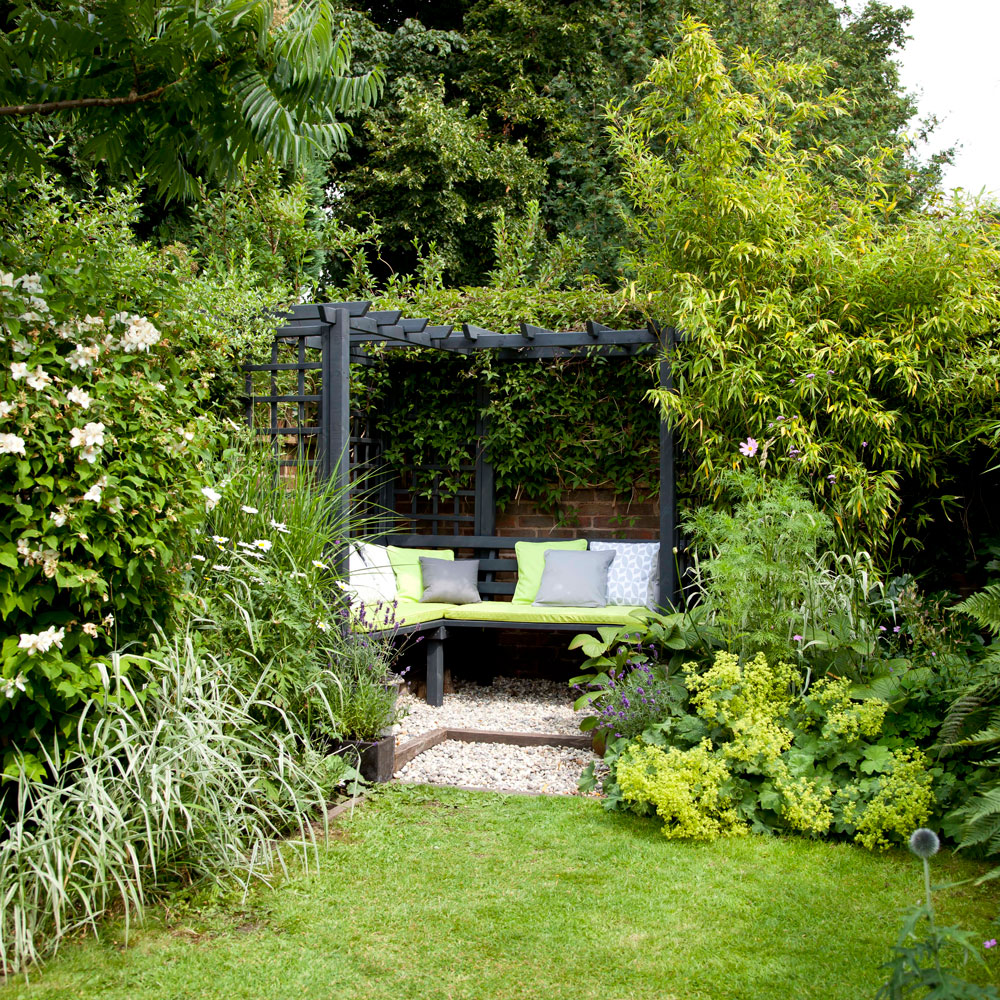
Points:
x=549 y=425
x=178 y=781
x=754 y=750
x=535 y=76
x=917 y=967
x=109 y=366
x=179 y=93
x=263 y=591
x=859 y=340
x=632 y=672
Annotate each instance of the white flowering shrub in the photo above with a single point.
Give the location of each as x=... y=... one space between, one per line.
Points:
x=118 y=362
x=105 y=460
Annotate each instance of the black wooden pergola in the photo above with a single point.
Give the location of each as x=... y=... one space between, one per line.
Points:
x=322 y=341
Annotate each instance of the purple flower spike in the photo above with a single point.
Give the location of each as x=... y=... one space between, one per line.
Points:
x=992 y=943
x=810 y=375
x=832 y=478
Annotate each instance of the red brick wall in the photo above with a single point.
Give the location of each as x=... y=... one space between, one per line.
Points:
x=584 y=513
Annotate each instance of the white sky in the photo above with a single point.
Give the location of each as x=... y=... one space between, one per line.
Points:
x=952 y=62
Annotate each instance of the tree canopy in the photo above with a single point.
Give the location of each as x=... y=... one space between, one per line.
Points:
x=182 y=93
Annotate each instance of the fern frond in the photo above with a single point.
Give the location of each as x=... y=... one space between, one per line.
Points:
x=984 y=607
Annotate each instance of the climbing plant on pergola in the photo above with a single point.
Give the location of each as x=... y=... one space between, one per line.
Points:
x=316 y=348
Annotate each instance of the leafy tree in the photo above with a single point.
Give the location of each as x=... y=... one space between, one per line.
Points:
x=539 y=73
x=181 y=92
x=854 y=342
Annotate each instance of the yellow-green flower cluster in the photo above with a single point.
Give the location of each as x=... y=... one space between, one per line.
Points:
x=846 y=719
x=901 y=805
x=685 y=786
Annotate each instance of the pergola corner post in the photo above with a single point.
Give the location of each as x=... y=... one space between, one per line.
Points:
x=669 y=590
x=335 y=434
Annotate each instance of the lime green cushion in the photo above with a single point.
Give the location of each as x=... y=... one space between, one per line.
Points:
x=504 y=611
x=406 y=613
x=406 y=567
x=531 y=562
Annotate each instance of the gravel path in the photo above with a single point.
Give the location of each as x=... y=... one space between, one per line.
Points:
x=512 y=704
x=509 y=704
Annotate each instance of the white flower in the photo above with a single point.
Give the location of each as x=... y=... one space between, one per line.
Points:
x=6 y=280
x=140 y=335
x=50 y=563
x=296 y=575
x=30 y=283
x=198 y=558
x=90 y=628
x=108 y=621
x=249 y=510
x=30 y=317
x=221 y=568
x=40 y=378
x=319 y=565
x=83 y=357
x=11 y=684
x=21 y=347
x=23 y=549
x=91 y=322
x=79 y=396
x=263 y=544
x=11 y=444
x=322 y=626
x=90 y=438
x=6 y=409
x=219 y=539
x=211 y=497
x=58 y=518
x=40 y=304
x=159 y=386
x=93 y=494
x=278 y=526
x=18 y=370
x=122 y=317
x=41 y=642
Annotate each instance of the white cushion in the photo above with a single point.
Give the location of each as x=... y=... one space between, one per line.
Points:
x=371 y=579
x=634 y=576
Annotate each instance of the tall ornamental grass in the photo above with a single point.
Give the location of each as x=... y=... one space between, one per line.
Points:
x=174 y=782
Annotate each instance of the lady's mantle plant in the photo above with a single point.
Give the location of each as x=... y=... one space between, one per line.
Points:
x=104 y=464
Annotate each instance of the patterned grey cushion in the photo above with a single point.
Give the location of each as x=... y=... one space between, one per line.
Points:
x=634 y=577
x=575 y=579
x=449 y=582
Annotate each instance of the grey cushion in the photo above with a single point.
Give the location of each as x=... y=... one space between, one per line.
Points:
x=449 y=582
x=575 y=579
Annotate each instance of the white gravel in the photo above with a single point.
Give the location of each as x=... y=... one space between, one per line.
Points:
x=500 y=767
x=511 y=704
x=516 y=705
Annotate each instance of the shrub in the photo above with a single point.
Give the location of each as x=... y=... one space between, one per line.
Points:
x=109 y=363
x=176 y=781
x=764 y=752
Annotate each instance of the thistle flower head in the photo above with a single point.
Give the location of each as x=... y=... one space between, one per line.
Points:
x=924 y=843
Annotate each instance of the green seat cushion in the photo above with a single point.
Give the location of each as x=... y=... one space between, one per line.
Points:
x=505 y=611
x=406 y=567
x=531 y=562
x=406 y=613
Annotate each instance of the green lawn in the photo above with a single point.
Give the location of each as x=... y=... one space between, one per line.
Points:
x=428 y=893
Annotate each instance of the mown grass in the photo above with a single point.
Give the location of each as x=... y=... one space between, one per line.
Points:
x=429 y=893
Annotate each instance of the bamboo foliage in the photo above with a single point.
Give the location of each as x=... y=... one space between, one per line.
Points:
x=857 y=339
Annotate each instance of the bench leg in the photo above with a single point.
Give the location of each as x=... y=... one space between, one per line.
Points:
x=435 y=667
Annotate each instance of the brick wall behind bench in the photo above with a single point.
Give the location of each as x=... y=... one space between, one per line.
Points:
x=586 y=512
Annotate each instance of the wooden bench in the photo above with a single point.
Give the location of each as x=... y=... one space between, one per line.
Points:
x=496 y=611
